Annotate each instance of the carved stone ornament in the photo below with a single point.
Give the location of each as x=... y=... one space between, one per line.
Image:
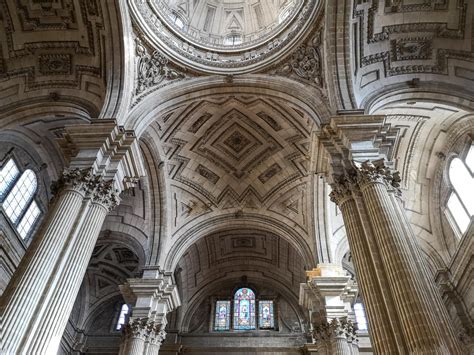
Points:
x=376 y=171
x=342 y=187
x=145 y=329
x=136 y=328
x=337 y=327
x=75 y=179
x=306 y=62
x=152 y=69
x=105 y=193
x=365 y=173
x=90 y=185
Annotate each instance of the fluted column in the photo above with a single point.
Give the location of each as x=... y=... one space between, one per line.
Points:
x=33 y=277
x=37 y=302
x=50 y=323
x=331 y=337
x=404 y=316
x=329 y=294
x=152 y=296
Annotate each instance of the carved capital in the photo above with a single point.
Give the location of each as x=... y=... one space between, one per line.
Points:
x=342 y=187
x=73 y=179
x=156 y=334
x=90 y=185
x=377 y=171
x=105 y=194
x=335 y=328
x=136 y=328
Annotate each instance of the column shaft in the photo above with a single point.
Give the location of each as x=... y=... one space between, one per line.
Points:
x=413 y=303
x=31 y=279
x=50 y=324
x=369 y=274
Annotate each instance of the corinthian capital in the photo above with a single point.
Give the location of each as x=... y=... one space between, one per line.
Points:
x=336 y=327
x=89 y=184
x=377 y=171
x=74 y=179
x=105 y=194
x=342 y=187
x=136 y=328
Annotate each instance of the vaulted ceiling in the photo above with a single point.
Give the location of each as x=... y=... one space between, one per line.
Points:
x=230 y=156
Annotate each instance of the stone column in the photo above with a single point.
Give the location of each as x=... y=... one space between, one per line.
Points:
x=403 y=307
x=38 y=300
x=329 y=295
x=153 y=296
x=403 y=313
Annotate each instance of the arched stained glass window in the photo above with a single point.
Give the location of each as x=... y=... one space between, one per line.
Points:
x=222 y=320
x=17 y=197
x=265 y=315
x=461 y=201
x=244 y=309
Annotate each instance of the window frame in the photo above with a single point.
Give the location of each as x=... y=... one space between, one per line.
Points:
x=31 y=199
x=231 y=299
x=462 y=155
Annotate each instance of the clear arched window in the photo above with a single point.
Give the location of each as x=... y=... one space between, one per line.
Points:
x=17 y=194
x=124 y=310
x=461 y=200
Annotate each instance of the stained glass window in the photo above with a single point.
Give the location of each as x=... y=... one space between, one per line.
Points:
x=265 y=314
x=244 y=309
x=222 y=320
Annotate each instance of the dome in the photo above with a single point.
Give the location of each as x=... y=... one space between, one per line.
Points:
x=225 y=36
x=228 y=23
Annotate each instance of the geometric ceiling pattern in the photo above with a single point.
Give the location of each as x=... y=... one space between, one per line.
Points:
x=53 y=48
x=236 y=152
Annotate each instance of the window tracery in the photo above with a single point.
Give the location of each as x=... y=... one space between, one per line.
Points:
x=17 y=194
x=460 y=203
x=241 y=312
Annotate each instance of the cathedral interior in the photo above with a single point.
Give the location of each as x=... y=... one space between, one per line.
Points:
x=236 y=177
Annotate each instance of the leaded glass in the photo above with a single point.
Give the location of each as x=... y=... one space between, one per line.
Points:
x=20 y=195
x=8 y=174
x=222 y=320
x=28 y=220
x=265 y=315
x=244 y=309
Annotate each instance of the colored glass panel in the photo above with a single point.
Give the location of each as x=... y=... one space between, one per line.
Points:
x=265 y=315
x=244 y=309
x=222 y=321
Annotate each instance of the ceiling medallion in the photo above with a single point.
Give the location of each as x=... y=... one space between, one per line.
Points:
x=225 y=36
